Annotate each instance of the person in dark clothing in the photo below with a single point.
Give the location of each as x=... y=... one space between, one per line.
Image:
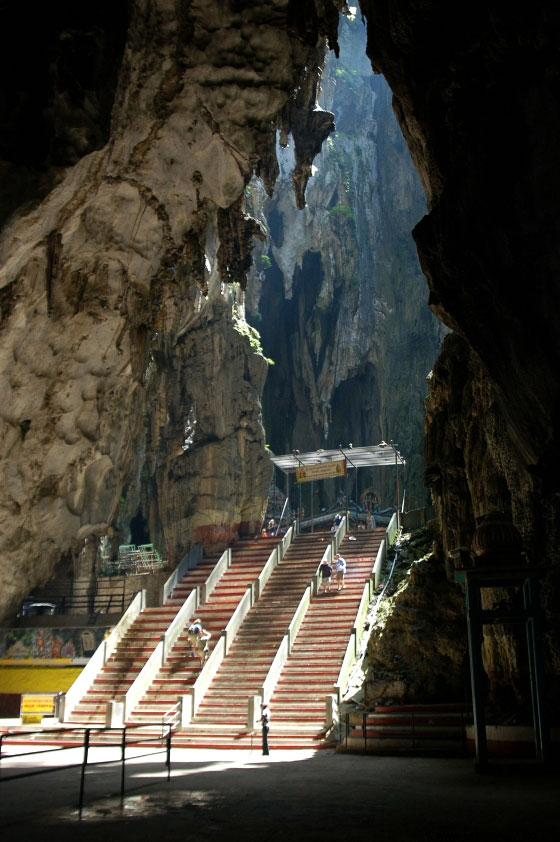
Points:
x=265 y=723
x=325 y=572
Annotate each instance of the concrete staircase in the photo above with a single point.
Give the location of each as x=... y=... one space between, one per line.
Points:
x=316 y=658
x=298 y=704
x=132 y=652
x=174 y=679
x=221 y=721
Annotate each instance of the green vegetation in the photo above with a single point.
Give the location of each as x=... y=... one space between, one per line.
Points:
x=252 y=334
x=244 y=329
x=343 y=158
x=266 y=262
x=342 y=211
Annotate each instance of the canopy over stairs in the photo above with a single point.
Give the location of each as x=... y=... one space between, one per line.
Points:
x=357 y=457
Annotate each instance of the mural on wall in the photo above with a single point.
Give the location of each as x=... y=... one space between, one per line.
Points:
x=74 y=644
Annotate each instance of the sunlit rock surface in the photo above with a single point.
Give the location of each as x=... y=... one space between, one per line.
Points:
x=131 y=403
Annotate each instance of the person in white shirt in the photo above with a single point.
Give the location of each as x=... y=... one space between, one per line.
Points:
x=340 y=570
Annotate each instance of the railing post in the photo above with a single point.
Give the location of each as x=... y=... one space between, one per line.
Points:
x=123 y=753
x=84 y=764
x=168 y=754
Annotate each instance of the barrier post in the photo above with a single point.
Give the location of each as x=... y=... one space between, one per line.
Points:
x=84 y=764
x=123 y=753
x=168 y=754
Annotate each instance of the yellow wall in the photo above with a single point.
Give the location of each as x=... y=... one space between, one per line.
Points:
x=35 y=679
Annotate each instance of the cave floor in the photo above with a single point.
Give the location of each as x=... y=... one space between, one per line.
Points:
x=287 y=795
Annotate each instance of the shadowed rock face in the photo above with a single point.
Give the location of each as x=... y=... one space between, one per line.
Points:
x=477 y=99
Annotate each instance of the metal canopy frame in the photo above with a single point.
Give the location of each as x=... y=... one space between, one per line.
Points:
x=357 y=457
x=375 y=455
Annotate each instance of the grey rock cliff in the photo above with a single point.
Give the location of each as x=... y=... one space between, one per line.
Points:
x=337 y=292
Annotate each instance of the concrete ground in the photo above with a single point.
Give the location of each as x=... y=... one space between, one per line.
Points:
x=285 y=796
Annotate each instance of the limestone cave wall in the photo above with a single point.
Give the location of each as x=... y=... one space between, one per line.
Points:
x=131 y=389
x=337 y=292
x=476 y=94
x=131 y=397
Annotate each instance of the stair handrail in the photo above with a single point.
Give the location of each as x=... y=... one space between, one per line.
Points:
x=188 y=562
x=338 y=536
x=223 y=563
x=287 y=539
x=143 y=680
x=99 y=658
x=361 y=613
x=346 y=666
x=185 y=612
x=379 y=562
x=355 y=641
x=281 y=515
x=191 y=700
x=234 y=623
x=286 y=644
x=171 y=717
x=392 y=529
x=160 y=655
x=266 y=572
x=299 y=614
x=271 y=680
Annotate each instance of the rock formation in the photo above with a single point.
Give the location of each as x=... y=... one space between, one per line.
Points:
x=337 y=292
x=131 y=402
x=476 y=95
x=417 y=650
x=131 y=390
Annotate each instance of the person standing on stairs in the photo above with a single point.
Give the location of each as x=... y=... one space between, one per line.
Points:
x=325 y=572
x=265 y=723
x=199 y=640
x=340 y=570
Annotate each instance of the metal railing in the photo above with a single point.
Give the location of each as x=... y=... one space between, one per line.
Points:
x=172 y=717
x=87 y=600
x=87 y=743
x=410 y=731
x=133 y=559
